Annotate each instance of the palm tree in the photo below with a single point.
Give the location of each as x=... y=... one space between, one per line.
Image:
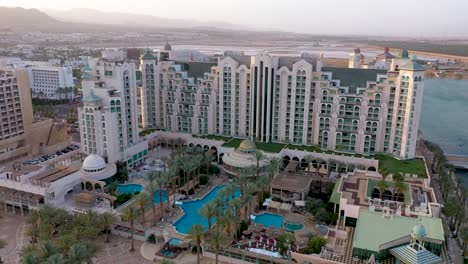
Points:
x=55 y=259
x=286 y=241
x=244 y=178
x=382 y=186
x=198 y=162
x=196 y=233
x=150 y=190
x=384 y=172
x=186 y=166
x=208 y=211
x=261 y=184
x=30 y=258
x=229 y=223
x=142 y=201
x=217 y=239
x=207 y=159
x=273 y=167
x=167 y=179
x=112 y=188
x=2 y=245
x=160 y=183
x=130 y=214
x=397 y=177
x=34 y=218
x=259 y=156
x=236 y=205
x=107 y=219
x=398 y=187
x=80 y=253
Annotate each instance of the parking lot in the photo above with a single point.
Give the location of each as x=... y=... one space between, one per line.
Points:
x=44 y=158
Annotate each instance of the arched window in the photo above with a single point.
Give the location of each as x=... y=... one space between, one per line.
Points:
x=377 y=98
x=342 y=110
x=340 y=123
x=324 y=95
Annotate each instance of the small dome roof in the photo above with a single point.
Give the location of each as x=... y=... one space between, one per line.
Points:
x=404 y=54
x=148 y=55
x=247 y=145
x=419 y=231
x=94 y=162
x=167 y=46
x=92 y=98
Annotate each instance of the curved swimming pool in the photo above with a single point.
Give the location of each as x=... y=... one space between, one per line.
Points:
x=191 y=208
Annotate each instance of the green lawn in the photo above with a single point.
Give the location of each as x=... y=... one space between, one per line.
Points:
x=270 y=147
x=371 y=184
x=392 y=165
x=213 y=137
x=147 y=132
x=233 y=143
x=319 y=150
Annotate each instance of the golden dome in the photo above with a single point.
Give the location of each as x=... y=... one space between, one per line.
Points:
x=247 y=145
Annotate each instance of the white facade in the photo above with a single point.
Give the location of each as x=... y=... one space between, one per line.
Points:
x=51 y=82
x=109 y=116
x=290 y=100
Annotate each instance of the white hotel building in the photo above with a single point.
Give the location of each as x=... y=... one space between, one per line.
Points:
x=109 y=115
x=51 y=82
x=287 y=99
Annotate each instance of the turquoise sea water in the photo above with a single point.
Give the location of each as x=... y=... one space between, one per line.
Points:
x=268 y=219
x=444 y=117
x=191 y=208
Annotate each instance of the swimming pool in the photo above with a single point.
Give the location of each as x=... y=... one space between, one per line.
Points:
x=268 y=219
x=174 y=242
x=191 y=215
x=129 y=188
x=133 y=188
x=291 y=226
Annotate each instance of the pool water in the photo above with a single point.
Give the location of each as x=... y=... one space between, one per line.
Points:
x=133 y=188
x=129 y=188
x=174 y=242
x=268 y=219
x=167 y=253
x=290 y=226
x=191 y=215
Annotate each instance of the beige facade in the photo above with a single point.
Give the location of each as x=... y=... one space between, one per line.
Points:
x=18 y=125
x=290 y=100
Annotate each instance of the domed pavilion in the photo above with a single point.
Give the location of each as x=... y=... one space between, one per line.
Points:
x=242 y=157
x=95 y=168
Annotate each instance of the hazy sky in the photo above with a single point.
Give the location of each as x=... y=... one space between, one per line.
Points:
x=418 y=18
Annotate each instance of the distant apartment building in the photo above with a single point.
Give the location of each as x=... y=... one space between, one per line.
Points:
x=109 y=116
x=51 y=82
x=288 y=99
x=18 y=126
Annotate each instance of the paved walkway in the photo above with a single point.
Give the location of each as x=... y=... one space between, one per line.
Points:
x=13 y=230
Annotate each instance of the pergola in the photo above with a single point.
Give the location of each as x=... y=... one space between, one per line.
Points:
x=290 y=186
x=274 y=205
x=20 y=199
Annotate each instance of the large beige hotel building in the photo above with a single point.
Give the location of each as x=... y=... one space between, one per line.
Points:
x=289 y=99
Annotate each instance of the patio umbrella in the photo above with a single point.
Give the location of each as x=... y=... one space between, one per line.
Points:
x=247 y=232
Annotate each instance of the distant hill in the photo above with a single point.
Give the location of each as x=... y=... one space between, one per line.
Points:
x=24 y=18
x=92 y=16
